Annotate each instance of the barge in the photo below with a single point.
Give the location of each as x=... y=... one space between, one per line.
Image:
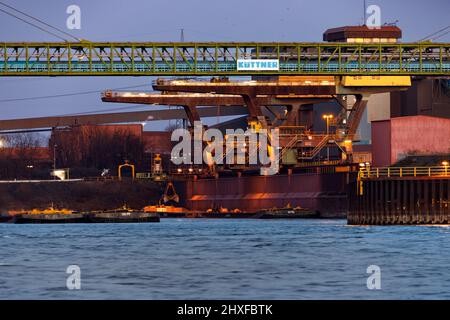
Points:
x=287 y=213
x=274 y=213
x=123 y=217
x=166 y=211
x=51 y=215
x=100 y=217
x=49 y=218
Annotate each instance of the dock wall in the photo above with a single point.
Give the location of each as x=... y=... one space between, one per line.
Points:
x=391 y=201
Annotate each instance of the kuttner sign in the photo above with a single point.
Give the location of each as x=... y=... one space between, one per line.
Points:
x=258 y=65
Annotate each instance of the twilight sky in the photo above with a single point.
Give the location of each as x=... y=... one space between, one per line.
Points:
x=202 y=20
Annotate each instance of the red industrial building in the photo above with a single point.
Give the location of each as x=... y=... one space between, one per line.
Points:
x=396 y=138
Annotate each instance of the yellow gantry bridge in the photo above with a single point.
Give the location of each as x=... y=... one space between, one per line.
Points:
x=206 y=59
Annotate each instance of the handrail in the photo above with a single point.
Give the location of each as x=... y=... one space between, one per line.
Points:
x=288 y=146
x=311 y=154
x=373 y=173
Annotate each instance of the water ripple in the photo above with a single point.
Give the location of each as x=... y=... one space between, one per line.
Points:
x=224 y=259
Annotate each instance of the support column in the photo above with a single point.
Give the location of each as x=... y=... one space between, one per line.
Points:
x=254 y=109
x=356 y=113
x=306 y=116
x=191 y=113
x=291 y=116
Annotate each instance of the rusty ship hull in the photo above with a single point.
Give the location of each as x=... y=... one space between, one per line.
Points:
x=325 y=194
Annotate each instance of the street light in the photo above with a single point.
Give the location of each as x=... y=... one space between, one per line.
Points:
x=445 y=164
x=328 y=117
x=54 y=160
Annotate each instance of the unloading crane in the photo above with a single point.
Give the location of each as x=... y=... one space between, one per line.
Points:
x=358 y=69
x=221 y=58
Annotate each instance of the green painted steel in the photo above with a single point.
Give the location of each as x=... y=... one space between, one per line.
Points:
x=207 y=59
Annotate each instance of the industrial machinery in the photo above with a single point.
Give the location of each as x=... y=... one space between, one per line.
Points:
x=354 y=63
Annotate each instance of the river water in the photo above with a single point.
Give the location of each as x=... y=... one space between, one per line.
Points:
x=224 y=259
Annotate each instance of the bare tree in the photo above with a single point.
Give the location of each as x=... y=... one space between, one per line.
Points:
x=18 y=153
x=96 y=147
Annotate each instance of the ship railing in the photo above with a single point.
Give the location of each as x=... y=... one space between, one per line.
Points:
x=399 y=172
x=315 y=164
x=323 y=140
x=292 y=130
x=105 y=178
x=144 y=175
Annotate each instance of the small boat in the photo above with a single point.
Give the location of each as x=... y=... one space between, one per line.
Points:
x=167 y=211
x=122 y=215
x=286 y=213
x=52 y=215
x=48 y=215
x=222 y=213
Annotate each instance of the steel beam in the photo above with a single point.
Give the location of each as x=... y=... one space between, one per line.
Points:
x=356 y=114
x=206 y=99
x=246 y=88
x=122 y=117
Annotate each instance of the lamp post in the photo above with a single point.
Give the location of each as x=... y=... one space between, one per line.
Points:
x=445 y=164
x=328 y=117
x=54 y=160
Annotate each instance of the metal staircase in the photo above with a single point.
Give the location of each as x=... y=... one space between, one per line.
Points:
x=311 y=154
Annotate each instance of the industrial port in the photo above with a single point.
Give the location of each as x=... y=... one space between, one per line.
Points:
x=232 y=150
x=319 y=97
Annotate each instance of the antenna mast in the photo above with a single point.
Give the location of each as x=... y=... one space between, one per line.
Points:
x=364 y=13
x=182 y=35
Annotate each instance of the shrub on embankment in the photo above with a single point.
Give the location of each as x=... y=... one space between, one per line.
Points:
x=79 y=195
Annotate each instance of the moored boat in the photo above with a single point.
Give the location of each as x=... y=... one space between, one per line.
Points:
x=48 y=215
x=166 y=211
x=122 y=217
x=49 y=218
x=221 y=213
x=287 y=213
x=52 y=215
